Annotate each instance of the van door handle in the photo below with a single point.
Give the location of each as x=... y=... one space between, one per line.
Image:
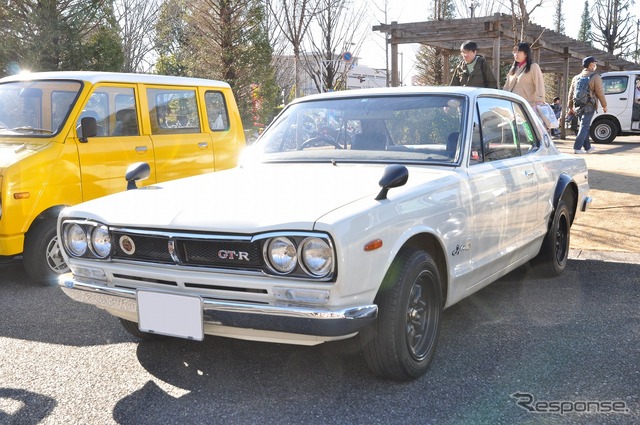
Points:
x=528 y=173
x=141 y=149
x=203 y=145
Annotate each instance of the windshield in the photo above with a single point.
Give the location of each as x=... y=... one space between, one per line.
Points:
x=36 y=108
x=398 y=128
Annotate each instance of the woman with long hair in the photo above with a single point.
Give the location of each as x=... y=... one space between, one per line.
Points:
x=525 y=76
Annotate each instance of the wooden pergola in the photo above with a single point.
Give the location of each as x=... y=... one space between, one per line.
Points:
x=555 y=53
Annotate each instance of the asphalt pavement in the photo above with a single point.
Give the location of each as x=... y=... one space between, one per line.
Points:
x=523 y=350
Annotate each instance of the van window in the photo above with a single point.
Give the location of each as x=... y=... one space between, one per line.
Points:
x=173 y=111
x=615 y=84
x=216 y=111
x=114 y=109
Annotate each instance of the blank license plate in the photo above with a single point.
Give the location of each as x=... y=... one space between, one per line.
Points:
x=170 y=314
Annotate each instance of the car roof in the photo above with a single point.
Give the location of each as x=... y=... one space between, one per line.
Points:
x=406 y=90
x=114 y=77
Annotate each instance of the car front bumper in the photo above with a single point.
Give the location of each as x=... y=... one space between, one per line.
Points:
x=294 y=319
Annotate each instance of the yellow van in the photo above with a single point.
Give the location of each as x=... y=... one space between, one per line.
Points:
x=67 y=137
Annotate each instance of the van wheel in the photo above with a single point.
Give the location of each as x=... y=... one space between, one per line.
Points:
x=401 y=342
x=552 y=259
x=42 y=256
x=603 y=131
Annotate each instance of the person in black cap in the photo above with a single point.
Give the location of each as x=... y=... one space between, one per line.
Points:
x=585 y=92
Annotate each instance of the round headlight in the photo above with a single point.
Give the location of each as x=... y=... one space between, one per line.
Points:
x=317 y=256
x=281 y=254
x=101 y=241
x=75 y=239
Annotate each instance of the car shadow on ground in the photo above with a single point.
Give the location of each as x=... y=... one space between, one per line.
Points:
x=519 y=334
x=33 y=312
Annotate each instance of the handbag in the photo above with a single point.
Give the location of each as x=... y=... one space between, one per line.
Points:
x=545 y=111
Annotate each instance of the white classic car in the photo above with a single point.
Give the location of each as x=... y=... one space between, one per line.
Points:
x=356 y=213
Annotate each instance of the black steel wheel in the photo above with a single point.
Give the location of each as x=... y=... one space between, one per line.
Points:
x=552 y=259
x=402 y=341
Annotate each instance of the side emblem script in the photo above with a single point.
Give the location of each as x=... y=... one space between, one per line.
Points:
x=127 y=245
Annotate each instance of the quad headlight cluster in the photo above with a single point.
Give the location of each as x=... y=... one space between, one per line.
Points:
x=86 y=239
x=286 y=255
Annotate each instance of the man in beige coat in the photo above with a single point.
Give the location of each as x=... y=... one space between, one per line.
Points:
x=586 y=112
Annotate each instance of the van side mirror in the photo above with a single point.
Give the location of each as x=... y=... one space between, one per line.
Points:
x=135 y=172
x=88 y=128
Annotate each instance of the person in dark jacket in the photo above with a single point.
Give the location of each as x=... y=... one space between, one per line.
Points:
x=473 y=70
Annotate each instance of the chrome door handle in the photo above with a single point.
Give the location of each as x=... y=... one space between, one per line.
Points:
x=141 y=149
x=528 y=173
x=203 y=145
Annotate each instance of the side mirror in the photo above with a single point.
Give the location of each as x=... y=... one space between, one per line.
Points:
x=88 y=128
x=394 y=176
x=135 y=172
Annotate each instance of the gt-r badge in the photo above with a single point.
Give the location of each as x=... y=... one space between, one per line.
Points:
x=127 y=245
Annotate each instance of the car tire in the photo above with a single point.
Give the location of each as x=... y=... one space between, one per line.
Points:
x=552 y=259
x=401 y=342
x=132 y=328
x=603 y=131
x=42 y=256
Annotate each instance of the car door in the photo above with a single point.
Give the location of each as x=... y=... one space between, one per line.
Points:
x=504 y=187
x=104 y=159
x=182 y=146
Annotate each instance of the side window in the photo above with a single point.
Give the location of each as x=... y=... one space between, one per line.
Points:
x=97 y=107
x=124 y=118
x=477 y=155
x=498 y=129
x=217 y=114
x=615 y=84
x=173 y=111
x=524 y=130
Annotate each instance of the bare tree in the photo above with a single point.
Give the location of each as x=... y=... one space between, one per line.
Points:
x=137 y=21
x=293 y=18
x=339 y=30
x=613 y=29
x=521 y=11
x=475 y=8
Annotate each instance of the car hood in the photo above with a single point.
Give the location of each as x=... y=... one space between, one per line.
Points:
x=260 y=198
x=13 y=151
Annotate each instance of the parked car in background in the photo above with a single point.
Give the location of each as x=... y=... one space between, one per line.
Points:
x=408 y=200
x=623 y=107
x=67 y=137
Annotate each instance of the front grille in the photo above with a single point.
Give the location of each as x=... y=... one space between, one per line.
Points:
x=188 y=251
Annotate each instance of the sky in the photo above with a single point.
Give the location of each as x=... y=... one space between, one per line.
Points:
x=404 y=11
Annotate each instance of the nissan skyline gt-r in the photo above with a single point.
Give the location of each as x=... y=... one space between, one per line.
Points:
x=361 y=214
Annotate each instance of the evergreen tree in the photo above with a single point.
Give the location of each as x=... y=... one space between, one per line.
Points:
x=430 y=62
x=50 y=35
x=584 y=34
x=223 y=40
x=558 y=18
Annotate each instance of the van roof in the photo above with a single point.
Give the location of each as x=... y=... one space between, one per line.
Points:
x=622 y=73
x=114 y=77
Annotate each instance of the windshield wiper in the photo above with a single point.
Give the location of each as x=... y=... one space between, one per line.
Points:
x=38 y=130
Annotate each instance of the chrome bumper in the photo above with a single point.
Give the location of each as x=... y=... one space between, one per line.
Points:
x=290 y=319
